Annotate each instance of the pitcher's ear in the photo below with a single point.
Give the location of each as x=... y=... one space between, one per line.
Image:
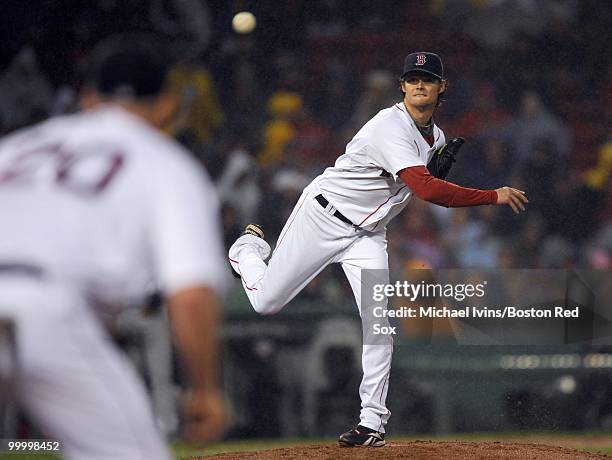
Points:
x=443 y=86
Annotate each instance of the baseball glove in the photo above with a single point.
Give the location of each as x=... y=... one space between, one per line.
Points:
x=443 y=158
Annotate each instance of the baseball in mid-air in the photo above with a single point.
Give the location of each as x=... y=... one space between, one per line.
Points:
x=244 y=22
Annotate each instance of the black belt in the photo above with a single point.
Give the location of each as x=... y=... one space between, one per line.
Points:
x=21 y=269
x=324 y=203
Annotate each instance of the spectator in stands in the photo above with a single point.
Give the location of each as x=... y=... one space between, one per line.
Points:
x=313 y=146
x=529 y=240
x=380 y=91
x=597 y=252
x=482 y=115
x=421 y=238
x=556 y=252
x=536 y=125
x=495 y=164
x=470 y=243
x=25 y=93
x=199 y=115
x=238 y=185
x=279 y=130
x=186 y=23
x=336 y=102
x=284 y=187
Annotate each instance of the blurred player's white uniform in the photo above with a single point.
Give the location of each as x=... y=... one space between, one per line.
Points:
x=94 y=208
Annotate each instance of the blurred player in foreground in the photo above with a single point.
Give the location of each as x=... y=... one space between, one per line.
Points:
x=95 y=207
x=342 y=217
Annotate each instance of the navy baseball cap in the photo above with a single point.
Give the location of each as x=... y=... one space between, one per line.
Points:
x=128 y=66
x=424 y=61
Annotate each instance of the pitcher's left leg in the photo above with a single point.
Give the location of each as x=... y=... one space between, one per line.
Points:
x=370 y=252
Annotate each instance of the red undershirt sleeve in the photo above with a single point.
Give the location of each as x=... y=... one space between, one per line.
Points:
x=444 y=193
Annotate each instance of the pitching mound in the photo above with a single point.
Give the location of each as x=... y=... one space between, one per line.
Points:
x=425 y=450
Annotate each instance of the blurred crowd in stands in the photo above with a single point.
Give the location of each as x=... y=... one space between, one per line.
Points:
x=530 y=88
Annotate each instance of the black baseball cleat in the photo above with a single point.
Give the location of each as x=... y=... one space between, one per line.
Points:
x=360 y=436
x=251 y=229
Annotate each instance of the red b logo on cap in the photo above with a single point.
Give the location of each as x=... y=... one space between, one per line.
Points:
x=420 y=59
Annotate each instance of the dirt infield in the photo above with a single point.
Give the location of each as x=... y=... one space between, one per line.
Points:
x=424 y=450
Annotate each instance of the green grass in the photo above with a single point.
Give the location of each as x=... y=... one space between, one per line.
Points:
x=28 y=457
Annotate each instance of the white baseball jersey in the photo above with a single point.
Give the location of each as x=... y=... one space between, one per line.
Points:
x=95 y=208
x=363 y=184
x=105 y=203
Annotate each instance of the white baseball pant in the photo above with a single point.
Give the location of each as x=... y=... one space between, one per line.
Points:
x=72 y=380
x=311 y=239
